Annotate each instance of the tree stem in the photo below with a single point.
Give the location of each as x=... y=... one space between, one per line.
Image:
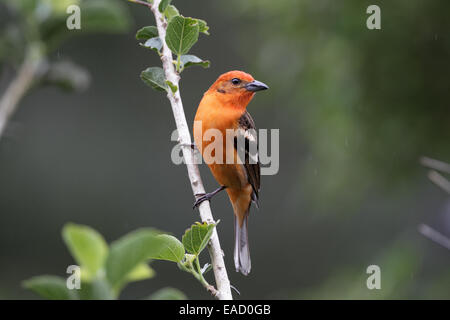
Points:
x=144 y=3
x=215 y=251
x=20 y=84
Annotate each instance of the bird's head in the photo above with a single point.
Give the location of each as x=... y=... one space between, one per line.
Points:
x=236 y=88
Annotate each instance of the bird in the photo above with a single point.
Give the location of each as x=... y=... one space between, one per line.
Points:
x=224 y=108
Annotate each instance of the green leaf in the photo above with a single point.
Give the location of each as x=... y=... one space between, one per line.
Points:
x=170 y=12
x=141 y=272
x=60 y=6
x=182 y=34
x=154 y=44
x=163 y=5
x=196 y=238
x=138 y=247
x=128 y=252
x=99 y=289
x=100 y=16
x=154 y=77
x=50 y=287
x=170 y=248
x=203 y=26
x=188 y=60
x=87 y=246
x=168 y=294
x=146 y=33
x=104 y=16
x=172 y=87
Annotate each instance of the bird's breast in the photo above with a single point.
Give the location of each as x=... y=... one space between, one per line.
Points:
x=211 y=123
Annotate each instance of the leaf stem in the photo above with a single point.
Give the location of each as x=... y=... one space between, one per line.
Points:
x=196 y=271
x=199 y=270
x=178 y=64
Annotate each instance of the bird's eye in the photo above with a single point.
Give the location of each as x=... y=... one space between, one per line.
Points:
x=236 y=81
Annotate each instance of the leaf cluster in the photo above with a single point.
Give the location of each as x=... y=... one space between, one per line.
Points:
x=107 y=269
x=181 y=35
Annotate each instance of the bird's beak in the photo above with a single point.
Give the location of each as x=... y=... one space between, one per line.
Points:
x=256 y=85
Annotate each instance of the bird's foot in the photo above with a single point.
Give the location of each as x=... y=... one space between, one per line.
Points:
x=201 y=197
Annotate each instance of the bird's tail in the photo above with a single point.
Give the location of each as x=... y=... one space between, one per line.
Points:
x=241 y=249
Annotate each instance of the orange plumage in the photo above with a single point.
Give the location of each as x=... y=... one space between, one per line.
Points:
x=224 y=107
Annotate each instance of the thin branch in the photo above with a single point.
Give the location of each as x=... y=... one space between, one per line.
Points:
x=144 y=3
x=215 y=251
x=434 y=235
x=439 y=180
x=435 y=164
x=19 y=85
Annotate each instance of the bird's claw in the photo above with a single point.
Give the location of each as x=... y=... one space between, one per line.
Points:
x=201 y=198
x=206 y=196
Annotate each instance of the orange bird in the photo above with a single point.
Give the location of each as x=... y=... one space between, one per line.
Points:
x=223 y=107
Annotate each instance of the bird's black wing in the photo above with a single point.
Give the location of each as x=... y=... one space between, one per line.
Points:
x=247 y=131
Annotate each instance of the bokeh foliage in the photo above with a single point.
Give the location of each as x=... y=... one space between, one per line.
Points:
x=368 y=104
x=355 y=107
x=106 y=270
x=40 y=25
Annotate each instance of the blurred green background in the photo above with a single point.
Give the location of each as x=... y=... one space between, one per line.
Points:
x=356 y=109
